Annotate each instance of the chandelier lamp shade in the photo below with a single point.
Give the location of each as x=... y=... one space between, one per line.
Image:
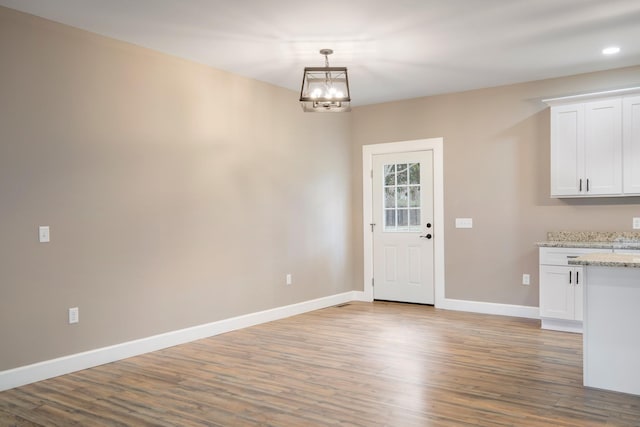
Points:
x=325 y=89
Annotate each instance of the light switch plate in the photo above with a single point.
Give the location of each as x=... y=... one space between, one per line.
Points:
x=636 y=223
x=43 y=233
x=74 y=315
x=464 y=222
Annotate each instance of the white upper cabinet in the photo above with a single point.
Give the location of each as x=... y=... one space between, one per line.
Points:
x=588 y=156
x=631 y=144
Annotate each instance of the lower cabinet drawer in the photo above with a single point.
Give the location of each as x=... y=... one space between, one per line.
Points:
x=561 y=256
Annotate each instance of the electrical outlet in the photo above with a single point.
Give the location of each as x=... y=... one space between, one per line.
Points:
x=526 y=279
x=636 y=223
x=74 y=315
x=289 y=280
x=43 y=234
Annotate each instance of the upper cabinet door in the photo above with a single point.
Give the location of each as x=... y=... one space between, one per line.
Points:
x=567 y=149
x=631 y=144
x=603 y=147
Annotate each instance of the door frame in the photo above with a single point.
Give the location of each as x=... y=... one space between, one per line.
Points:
x=368 y=151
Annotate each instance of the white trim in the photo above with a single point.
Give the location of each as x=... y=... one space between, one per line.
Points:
x=588 y=96
x=491 y=308
x=360 y=296
x=561 y=325
x=63 y=365
x=368 y=151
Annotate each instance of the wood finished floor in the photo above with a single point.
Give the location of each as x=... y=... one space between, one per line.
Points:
x=363 y=364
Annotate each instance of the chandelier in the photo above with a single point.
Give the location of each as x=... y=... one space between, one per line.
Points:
x=325 y=89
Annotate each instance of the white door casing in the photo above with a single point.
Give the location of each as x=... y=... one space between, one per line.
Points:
x=403 y=227
x=435 y=146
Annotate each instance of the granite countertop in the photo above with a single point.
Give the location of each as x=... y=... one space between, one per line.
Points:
x=586 y=244
x=592 y=239
x=607 y=260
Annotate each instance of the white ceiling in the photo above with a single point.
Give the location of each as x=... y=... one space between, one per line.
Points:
x=393 y=49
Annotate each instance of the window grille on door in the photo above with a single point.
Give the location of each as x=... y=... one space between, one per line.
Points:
x=402 y=197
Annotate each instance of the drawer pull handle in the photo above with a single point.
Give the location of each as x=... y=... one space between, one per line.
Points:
x=569 y=277
x=572 y=256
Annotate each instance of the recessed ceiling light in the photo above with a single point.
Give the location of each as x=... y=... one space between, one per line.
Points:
x=611 y=50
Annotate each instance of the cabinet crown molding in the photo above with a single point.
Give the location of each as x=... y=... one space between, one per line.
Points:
x=592 y=95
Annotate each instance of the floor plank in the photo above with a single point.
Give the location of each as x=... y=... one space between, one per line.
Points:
x=362 y=364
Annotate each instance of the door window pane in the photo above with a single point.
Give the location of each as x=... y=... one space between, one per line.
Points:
x=414 y=218
x=414 y=196
x=403 y=217
x=414 y=173
x=403 y=196
x=390 y=197
x=389 y=174
x=390 y=219
x=402 y=174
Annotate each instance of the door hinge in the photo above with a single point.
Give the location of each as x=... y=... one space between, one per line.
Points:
x=371 y=173
x=372 y=282
x=372 y=225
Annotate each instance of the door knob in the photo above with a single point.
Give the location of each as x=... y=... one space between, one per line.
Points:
x=427 y=236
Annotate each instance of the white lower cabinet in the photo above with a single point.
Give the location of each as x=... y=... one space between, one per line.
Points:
x=561 y=288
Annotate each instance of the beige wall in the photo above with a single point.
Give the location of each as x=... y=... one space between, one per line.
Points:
x=496 y=171
x=176 y=194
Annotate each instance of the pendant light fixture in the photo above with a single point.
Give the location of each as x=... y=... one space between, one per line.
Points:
x=325 y=89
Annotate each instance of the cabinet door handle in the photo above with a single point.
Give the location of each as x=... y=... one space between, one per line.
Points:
x=577 y=278
x=580 y=189
x=569 y=276
x=587 y=184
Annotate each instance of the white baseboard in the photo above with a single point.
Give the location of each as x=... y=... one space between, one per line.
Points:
x=574 y=326
x=75 y=362
x=361 y=296
x=490 y=308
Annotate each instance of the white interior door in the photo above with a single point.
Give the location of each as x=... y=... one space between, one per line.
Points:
x=403 y=249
